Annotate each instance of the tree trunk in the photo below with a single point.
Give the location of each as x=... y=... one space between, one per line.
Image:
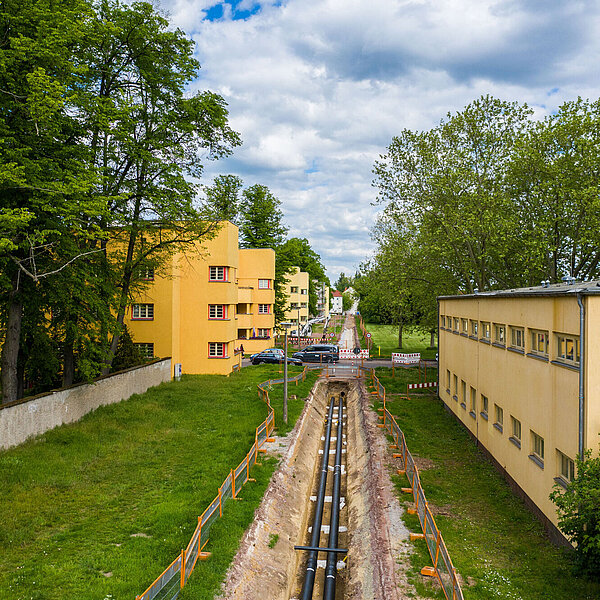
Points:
x=68 y=364
x=432 y=338
x=400 y=331
x=10 y=350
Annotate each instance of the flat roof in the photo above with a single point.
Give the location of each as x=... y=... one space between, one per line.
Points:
x=585 y=288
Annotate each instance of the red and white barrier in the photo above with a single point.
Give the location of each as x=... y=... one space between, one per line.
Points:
x=344 y=353
x=406 y=359
x=418 y=386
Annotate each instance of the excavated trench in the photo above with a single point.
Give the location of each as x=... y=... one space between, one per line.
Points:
x=370 y=518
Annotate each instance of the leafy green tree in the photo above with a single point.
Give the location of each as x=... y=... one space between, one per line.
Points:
x=127 y=354
x=223 y=197
x=343 y=282
x=261 y=226
x=578 y=509
x=298 y=252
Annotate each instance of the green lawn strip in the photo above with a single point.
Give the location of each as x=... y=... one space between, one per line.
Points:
x=395 y=380
x=120 y=491
x=386 y=338
x=498 y=547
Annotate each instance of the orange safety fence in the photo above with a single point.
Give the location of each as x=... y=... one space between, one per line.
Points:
x=168 y=584
x=442 y=564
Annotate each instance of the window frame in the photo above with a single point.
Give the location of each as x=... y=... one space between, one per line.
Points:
x=222 y=346
x=575 y=340
x=260 y=332
x=143 y=348
x=534 y=339
x=474 y=328
x=498 y=418
x=561 y=457
x=514 y=333
x=225 y=271
x=485 y=406
x=537 y=444
x=516 y=431
x=465 y=326
x=139 y=317
x=264 y=312
x=500 y=334
x=486 y=328
x=224 y=312
x=264 y=287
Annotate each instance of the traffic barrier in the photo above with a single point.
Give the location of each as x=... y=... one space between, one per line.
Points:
x=406 y=359
x=345 y=353
x=168 y=584
x=442 y=564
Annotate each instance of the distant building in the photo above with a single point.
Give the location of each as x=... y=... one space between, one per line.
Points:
x=296 y=310
x=322 y=290
x=337 y=306
x=518 y=369
x=208 y=304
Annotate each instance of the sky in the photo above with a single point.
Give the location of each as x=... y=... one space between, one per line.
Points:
x=318 y=88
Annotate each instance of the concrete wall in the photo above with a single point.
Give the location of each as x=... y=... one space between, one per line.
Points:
x=39 y=414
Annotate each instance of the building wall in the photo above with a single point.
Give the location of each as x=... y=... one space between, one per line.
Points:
x=256 y=265
x=337 y=305
x=182 y=325
x=297 y=305
x=322 y=299
x=537 y=391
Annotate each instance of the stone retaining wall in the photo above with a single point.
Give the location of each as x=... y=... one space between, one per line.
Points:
x=33 y=416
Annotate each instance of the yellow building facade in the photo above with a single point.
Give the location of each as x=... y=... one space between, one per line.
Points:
x=297 y=297
x=516 y=368
x=209 y=302
x=322 y=299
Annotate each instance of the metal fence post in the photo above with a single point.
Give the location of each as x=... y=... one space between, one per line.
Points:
x=182 y=568
x=232 y=484
x=220 y=505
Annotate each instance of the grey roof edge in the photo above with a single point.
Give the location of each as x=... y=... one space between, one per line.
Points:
x=587 y=288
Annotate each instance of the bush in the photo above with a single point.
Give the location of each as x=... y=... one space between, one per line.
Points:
x=579 y=514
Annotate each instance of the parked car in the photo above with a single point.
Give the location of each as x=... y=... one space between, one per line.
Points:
x=274 y=356
x=321 y=353
x=266 y=350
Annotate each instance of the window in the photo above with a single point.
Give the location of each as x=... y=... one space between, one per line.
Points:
x=142 y=311
x=499 y=333
x=515 y=426
x=566 y=467
x=303 y=304
x=217 y=311
x=539 y=342
x=146 y=273
x=442 y=320
x=517 y=338
x=303 y=318
x=473 y=401
x=485 y=331
x=264 y=284
x=537 y=449
x=474 y=328
x=567 y=349
x=455 y=323
x=456 y=387
x=498 y=418
x=303 y=292
x=264 y=333
x=484 y=406
x=465 y=326
x=294 y=289
x=218 y=273
x=449 y=322
x=448 y=380
x=146 y=350
x=264 y=309
x=463 y=394
x=217 y=349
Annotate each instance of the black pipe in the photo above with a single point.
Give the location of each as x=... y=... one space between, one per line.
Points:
x=311 y=563
x=331 y=568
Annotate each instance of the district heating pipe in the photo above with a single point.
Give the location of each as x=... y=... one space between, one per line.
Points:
x=331 y=568
x=311 y=563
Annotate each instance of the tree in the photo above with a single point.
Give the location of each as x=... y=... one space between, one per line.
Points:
x=223 y=197
x=578 y=509
x=343 y=283
x=261 y=226
x=298 y=252
x=261 y=219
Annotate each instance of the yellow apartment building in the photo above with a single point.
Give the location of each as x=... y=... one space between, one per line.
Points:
x=207 y=304
x=322 y=299
x=516 y=367
x=297 y=292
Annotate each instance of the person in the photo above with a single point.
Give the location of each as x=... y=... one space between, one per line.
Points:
x=242 y=348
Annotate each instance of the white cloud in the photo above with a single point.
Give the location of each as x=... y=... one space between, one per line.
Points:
x=317 y=88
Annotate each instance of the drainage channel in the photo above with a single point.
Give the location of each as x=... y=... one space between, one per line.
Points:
x=322 y=572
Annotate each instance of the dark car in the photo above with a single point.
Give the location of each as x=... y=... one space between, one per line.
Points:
x=321 y=353
x=273 y=356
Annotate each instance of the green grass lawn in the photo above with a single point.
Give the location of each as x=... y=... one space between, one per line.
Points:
x=498 y=547
x=384 y=340
x=97 y=509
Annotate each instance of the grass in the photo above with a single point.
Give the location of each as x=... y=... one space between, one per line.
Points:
x=385 y=341
x=498 y=547
x=97 y=509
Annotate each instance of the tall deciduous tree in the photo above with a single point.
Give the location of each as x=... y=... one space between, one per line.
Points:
x=223 y=197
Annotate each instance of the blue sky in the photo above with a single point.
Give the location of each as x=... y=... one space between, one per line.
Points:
x=317 y=88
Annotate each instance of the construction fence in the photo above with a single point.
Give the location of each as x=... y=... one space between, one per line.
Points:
x=442 y=564
x=168 y=584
